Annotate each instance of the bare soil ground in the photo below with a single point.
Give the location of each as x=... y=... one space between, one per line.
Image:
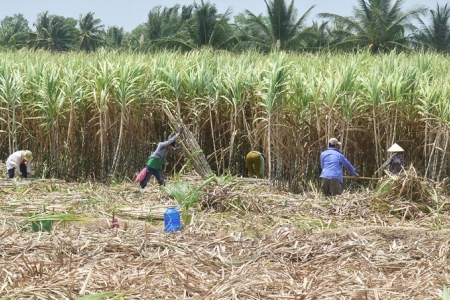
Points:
x=246 y=240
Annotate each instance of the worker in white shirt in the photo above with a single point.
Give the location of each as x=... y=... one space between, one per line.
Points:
x=20 y=159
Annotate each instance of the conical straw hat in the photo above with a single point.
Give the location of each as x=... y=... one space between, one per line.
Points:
x=395 y=148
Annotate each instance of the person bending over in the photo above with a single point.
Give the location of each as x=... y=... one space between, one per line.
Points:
x=255 y=164
x=331 y=161
x=20 y=159
x=156 y=160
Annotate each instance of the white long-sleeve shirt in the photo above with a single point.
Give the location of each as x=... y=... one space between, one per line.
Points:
x=15 y=159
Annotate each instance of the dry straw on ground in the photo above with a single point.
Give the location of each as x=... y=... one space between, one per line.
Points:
x=354 y=246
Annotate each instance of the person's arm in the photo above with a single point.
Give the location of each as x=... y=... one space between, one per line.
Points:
x=261 y=164
x=349 y=166
x=177 y=149
x=28 y=164
x=170 y=141
x=321 y=160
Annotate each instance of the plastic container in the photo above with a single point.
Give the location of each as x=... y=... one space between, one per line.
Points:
x=44 y=225
x=172 y=220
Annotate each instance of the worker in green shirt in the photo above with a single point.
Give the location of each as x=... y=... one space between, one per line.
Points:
x=156 y=160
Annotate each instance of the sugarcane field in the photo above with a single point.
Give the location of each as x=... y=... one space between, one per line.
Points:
x=101 y=215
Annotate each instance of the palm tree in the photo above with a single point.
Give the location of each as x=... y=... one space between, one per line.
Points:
x=14 y=31
x=337 y=33
x=377 y=25
x=91 y=31
x=437 y=35
x=162 y=26
x=163 y=22
x=281 y=30
x=201 y=26
x=207 y=27
x=53 y=33
x=319 y=36
x=114 y=37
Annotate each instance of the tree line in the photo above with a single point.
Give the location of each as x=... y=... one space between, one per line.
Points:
x=377 y=26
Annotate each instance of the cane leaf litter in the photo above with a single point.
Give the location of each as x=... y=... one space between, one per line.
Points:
x=245 y=240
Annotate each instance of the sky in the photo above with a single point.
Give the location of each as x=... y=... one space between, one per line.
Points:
x=130 y=13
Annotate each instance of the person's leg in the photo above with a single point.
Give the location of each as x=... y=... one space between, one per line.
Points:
x=23 y=170
x=11 y=173
x=257 y=166
x=326 y=186
x=335 y=187
x=160 y=177
x=249 y=162
x=144 y=182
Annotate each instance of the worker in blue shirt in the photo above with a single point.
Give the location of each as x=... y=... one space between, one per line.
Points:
x=331 y=161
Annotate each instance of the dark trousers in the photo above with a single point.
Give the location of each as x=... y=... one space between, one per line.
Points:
x=158 y=173
x=22 y=168
x=331 y=187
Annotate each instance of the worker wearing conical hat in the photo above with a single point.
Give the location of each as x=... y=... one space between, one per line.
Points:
x=397 y=160
x=20 y=159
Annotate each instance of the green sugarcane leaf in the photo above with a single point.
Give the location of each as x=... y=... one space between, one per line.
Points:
x=96 y=296
x=55 y=217
x=445 y=294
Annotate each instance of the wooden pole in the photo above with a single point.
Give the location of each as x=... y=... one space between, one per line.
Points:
x=385 y=163
x=364 y=178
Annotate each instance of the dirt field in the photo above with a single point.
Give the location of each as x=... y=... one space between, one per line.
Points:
x=246 y=240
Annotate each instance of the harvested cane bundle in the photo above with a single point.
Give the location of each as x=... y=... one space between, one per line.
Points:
x=409 y=186
x=223 y=198
x=191 y=146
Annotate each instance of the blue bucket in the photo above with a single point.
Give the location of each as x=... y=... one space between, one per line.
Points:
x=172 y=220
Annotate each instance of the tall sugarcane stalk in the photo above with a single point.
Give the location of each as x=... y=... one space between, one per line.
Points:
x=11 y=88
x=369 y=101
x=101 y=85
x=272 y=102
x=126 y=92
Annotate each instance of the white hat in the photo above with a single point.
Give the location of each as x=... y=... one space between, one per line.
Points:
x=27 y=155
x=395 y=148
x=334 y=142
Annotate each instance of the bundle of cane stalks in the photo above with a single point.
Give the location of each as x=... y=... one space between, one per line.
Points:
x=190 y=146
x=410 y=186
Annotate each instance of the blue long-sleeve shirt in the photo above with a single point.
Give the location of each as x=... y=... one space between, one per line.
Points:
x=331 y=161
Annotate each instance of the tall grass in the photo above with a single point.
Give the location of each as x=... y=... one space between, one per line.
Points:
x=95 y=115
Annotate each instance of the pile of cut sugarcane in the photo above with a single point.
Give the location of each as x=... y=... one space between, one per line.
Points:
x=190 y=146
